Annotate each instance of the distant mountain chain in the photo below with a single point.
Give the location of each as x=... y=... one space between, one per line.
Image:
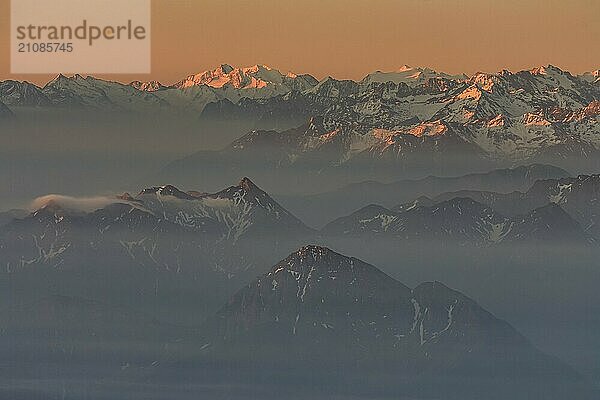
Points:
x=318 y=209
x=552 y=208
x=543 y=113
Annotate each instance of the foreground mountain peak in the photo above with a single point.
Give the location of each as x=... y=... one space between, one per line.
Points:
x=318 y=306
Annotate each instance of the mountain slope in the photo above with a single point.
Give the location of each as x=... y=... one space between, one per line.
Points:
x=331 y=319
x=14 y=93
x=255 y=77
x=460 y=220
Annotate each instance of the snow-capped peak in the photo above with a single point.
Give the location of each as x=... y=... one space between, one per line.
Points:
x=253 y=77
x=547 y=70
x=409 y=75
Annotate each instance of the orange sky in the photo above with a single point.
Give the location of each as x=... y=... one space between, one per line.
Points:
x=349 y=38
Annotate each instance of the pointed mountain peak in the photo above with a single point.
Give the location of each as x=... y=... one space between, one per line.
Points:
x=248 y=185
x=248 y=190
x=323 y=264
x=59 y=79
x=538 y=70
x=262 y=206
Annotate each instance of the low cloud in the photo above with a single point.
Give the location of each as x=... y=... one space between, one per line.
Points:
x=82 y=204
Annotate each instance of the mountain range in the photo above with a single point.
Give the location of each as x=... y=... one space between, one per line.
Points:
x=167 y=243
x=397 y=126
x=225 y=235
x=576 y=195
x=463 y=221
x=390 y=125
x=317 y=209
x=190 y=95
x=195 y=244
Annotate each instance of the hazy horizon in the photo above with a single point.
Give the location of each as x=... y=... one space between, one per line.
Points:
x=350 y=39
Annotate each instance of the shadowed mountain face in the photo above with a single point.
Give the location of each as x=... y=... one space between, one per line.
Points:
x=316 y=209
x=579 y=197
x=461 y=221
x=340 y=325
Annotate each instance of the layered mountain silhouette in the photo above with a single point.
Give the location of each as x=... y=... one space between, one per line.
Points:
x=171 y=246
x=173 y=293
x=578 y=196
x=317 y=323
x=390 y=126
x=316 y=209
x=463 y=221
x=398 y=124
